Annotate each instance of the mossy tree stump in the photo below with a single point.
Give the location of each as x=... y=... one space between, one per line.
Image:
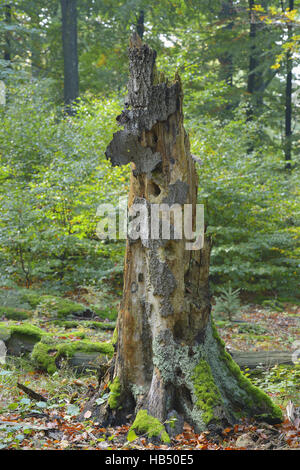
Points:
x=169 y=359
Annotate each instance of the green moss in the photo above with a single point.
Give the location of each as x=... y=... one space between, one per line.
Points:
x=256 y=398
x=27 y=329
x=46 y=353
x=69 y=349
x=14 y=313
x=88 y=324
x=32 y=298
x=99 y=325
x=114 y=339
x=61 y=307
x=110 y=312
x=206 y=391
x=114 y=396
x=67 y=323
x=43 y=359
x=147 y=424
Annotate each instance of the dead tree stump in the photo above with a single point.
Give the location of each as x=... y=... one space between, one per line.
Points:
x=169 y=359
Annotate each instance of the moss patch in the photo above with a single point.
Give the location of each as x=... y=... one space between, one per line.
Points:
x=26 y=329
x=147 y=424
x=114 y=339
x=114 y=396
x=206 y=391
x=32 y=298
x=47 y=352
x=107 y=313
x=14 y=313
x=61 y=307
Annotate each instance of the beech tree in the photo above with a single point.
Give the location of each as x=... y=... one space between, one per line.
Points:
x=69 y=39
x=169 y=360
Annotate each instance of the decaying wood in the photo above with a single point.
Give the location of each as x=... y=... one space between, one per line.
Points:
x=253 y=359
x=167 y=345
x=31 y=393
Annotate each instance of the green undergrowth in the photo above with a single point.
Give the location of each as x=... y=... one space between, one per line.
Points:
x=282 y=381
x=12 y=313
x=68 y=324
x=148 y=425
x=19 y=304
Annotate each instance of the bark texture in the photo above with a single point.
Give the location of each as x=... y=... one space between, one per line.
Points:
x=169 y=360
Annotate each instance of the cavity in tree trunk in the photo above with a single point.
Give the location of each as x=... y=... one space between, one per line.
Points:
x=69 y=37
x=169 y=360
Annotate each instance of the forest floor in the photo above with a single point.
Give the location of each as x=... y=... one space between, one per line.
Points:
x=26 y=423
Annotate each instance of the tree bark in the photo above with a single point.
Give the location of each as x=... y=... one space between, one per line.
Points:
x=140 y=26
x=70 y=53
x=7 y=47
x=169 y=358
x=288 y=99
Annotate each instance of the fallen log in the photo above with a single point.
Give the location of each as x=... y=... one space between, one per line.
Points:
x=265 y=359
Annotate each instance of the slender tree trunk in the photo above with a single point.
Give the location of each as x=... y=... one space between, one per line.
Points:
x=256 y=83
x=169 y=359
x=227 y=14
x=70 y=53
x=140 y=27
x=7 y=47
x=288 y=99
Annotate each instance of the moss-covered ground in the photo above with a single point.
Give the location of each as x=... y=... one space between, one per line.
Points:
x=67 y=390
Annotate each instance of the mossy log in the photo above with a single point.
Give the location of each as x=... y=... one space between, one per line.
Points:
x=47 y=353
x=169 y=358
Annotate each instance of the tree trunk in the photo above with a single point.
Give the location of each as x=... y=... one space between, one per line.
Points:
x=140 y=26
x=69 y=37
x=288 y=99
x=169 y=359
x=226 y=15
x=7 y=47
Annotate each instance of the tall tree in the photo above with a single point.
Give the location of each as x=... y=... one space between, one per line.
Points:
x=226 y=15
x=7 y=47
x=140 y=27
x=70 y=52
x=169 y=360
x=288 y=97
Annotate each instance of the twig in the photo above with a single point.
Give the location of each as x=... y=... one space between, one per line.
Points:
x=31 y=393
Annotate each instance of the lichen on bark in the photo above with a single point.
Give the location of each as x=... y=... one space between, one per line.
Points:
x=169 y=360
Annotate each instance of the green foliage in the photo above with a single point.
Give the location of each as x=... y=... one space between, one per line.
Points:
x=251 y=208
x=228 y=303
x=281 y=381
x=53 y=176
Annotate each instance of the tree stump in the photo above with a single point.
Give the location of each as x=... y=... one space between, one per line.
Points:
x=169 y=359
